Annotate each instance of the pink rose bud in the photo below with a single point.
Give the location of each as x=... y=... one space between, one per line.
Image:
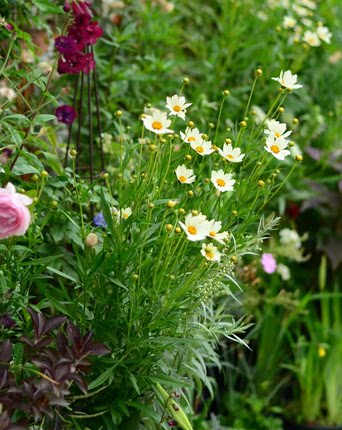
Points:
x=15 y=218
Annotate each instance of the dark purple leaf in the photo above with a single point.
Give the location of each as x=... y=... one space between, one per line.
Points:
x=5 y=351
x=80 y=382
x=53 y=323
x=98 y=348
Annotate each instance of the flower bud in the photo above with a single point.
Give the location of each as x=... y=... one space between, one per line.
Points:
x=191 y=124
x=243 y=123
x=91 y=240
x=261 y=183
x=234 y=259
x=228 y=141
x=188 y=157
x=34 y=178
x=178 y=230
x=181 y=211
x=152 y=147
x=135 y=276
x=105 y=176
x=44 y=68
x=118 y=113
x=295 y=121
x=151 y=205
x=211 y=125
x=73 y=153
x=54 y=204
x=169 y=227
x=171 y=204
x=190 y=193
x=234 y=213
x=44 y=174
x=186 y=81
x=194 y=212
x=299 y=157
x=281 y=109
x=258 y=72
x=225 y=92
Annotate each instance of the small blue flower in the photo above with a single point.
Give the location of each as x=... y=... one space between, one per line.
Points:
x=99 y=220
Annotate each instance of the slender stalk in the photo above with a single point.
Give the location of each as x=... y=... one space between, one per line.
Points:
x=78 y=144
x=99 y=127
x=70 y=126
x=219 y=119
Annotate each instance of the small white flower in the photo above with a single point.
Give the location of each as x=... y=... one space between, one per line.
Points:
x=196 y=227
x=214 y=228
x=301 y=11
x=308 y=3
x=222 y=181
x=311 y=38
x=276 y=129
x=177 y=106
x=284 y=272
x=123 y=213
x=184 y=175
x=288 y=80
x=289 y=22
x=290 y=237
x=157 y=122
x=277 y=147
x=324 y=34
x=210 y=252
x=202 y=148
x=7 y=93
x=191 y=135
x=231 y=154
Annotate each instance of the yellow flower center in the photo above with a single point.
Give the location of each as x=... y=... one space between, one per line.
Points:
x=192 y=229
x=157 y=125
x=177 y=108
x=200 y=149
x=182 y=178
x=275 y=149
x=212 y=233
x=125 y=215
x=209 y=254
x=321 y=351
x=220 y=182
x=191 y=139
x=230 y=156
x=277 y=135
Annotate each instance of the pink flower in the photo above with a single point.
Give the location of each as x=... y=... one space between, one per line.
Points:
x=268 y=262
x=15 y=218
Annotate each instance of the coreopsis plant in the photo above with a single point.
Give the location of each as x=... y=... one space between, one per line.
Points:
x=138 y=253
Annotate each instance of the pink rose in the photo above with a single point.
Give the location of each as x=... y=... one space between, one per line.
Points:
x=15 y=218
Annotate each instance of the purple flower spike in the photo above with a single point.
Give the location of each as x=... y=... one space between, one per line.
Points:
x=65 y=44
x=99 y=220
x=269 y=263
x=66 y=114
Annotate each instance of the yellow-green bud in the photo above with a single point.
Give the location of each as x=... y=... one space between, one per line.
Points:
x=191 y=124
x=194 y=212
x=73 y=153
x=261 y=183
x=295 y=121
x=178 y=230
x=234 y=259
x=243 y=123
x=22 y=191
x=105 y=176
x=204 y=136
x=225 y=92
x=181 y=211
x=171 y=204
x=291 y=144
x=35 y=178
x=281 y=109
x=253 y=112
x=299 y=157
x=44 y=174
x=118 y=113
x=190 y=193
x=135 y=276
x=228 y=141
x=151 y=205
x=152 y=147
x=234 y=213
x=188 y=157
x=211 y=125
x=169 y=227
x=162 y=140
x=258 y=72
x=207 y=180
x=186 y=81
x=54 y=204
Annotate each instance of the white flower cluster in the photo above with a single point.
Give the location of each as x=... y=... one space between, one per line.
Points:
x=198 y=227
x=301 y=20
x=276 y=142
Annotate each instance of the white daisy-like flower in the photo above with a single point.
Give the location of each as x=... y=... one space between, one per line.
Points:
x=308 y=3
x=184 y=175
x=210 y=252
x=214 y=228
x=157 y=122
x=177 y=106
x=288 y=80
x=222 y=181
x=276 y=129
x=195 y=226
x=302 y=11
x=202 y=148
x=311 y=38
x=277 y=147
x=231 y=154
x=289 y=22
x=191 y=135
x=324 y=34
x=123 y=213
x=284 y=272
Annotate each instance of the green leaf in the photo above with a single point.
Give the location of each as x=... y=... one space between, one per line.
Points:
x=41 y=119
x=47 y=6
x=22 y=168
x=102 y=378
x=63 y=275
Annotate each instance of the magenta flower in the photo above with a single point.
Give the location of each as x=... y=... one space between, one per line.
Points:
x=66 y=114
x=66 y=45
x=268 y=262
x=86 y=32
x=76 y=63
x=81 y=8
